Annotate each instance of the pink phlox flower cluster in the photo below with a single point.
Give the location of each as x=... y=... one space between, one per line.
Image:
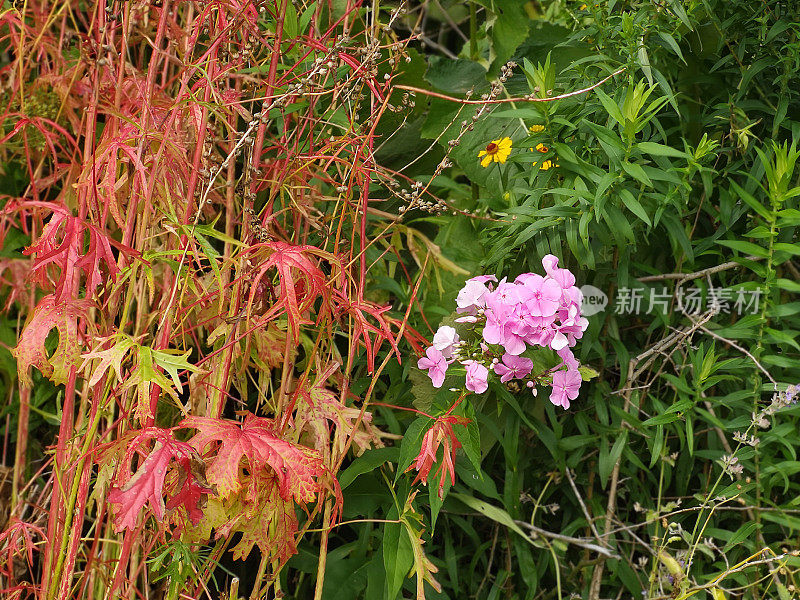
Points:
x=470 y=299
x=477 y=377
x=513 y=367
x=436 y=364
x=531 y=311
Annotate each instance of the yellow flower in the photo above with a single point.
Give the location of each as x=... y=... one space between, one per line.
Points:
x=541 y=148
x=583 y=7
x=536 y=128
x=496 y=150
x=546 y=165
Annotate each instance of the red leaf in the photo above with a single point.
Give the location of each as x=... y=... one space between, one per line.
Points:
x=30 y=351
x=300 y=281
x=296 y=467
x=358 y=310
x=190 y=496
x=323 y=414
x=440 y=434
x=271 y=523
x=61 y=246
x=17 y=541
x=146 y=486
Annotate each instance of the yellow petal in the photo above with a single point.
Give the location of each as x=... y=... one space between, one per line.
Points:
x=486 y=160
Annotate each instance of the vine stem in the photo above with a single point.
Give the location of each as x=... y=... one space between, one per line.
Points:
x=416 y=90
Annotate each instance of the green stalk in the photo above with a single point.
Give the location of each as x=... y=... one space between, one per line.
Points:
x=71 y=500
x=473 y=32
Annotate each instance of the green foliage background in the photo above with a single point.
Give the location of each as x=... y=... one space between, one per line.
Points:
x=678 y=172
x=683 y=162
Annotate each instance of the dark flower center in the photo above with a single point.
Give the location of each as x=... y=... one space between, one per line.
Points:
x=491 y=148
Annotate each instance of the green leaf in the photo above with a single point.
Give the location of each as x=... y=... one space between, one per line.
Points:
x=367 y=462
x=637 y=172
x=587 y=373
x=672 y=44
x=612 y=108
x=398 y=557
x=633 y=205
x=455 y=76
x=751 y=202
x=607 y=460
x=172 y=363
x=290 y=21
x=508 y=29
x=745 y=247
x=412 y=443
x=498 y=515
x=741 y=534
x=305 y=18
x=793 y=249
x=661 y=150
x=469 y=437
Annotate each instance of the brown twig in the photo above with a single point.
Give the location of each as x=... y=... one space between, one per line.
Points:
x=684 y=277
x=417 y=90
x=582 y=542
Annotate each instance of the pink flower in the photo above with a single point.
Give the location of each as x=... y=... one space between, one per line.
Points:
x=497 y=317
x=513 y=367
x=574 y=296
x=540 y=331
x=565 y=387
x=477 y=375
x=471 y=297
x=436 y=364
x=467 y=319
x=545 y=295
x=483 y=278
x=444 y=340
x=502 y=319
x=563 y=276
x=559 y=341
x=569 y=359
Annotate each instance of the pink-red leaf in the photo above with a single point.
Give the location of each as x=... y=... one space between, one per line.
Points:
x=146 y=486
x=301 y=281
x=59 y=253
x=30 y=351
x=297 y=468
x=270 y=523
x=358 y=310
x=441 y=434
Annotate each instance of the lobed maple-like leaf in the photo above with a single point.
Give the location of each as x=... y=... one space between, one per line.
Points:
x=324 y=414
x=146 y=486
x=110 y=168
x=297 y=468
x=192 y=489
x=358 y=310
x=147 y=372
x=17 y=541
x=110 y=357
x=269 y=521
x=440 y=434
x=423 y=567
x=13 y=275
x=61 y=245
x=301 y=281
x=30 y=351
